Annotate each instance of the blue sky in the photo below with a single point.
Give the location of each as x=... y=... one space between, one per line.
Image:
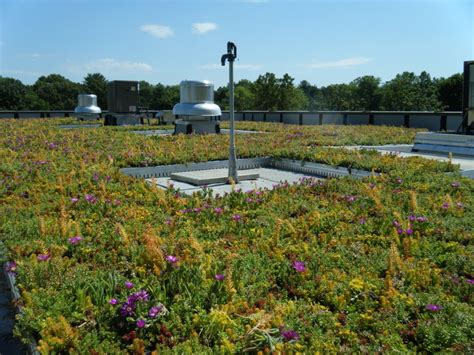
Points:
x=323 y=42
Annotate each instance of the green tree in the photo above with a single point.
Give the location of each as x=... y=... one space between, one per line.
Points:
x=12 y=93
x=57 y=91
x=272 y=93
x=165 y=97
x=450 y=92
x=312 y=93
x=367 y=95
x=409 y=92
x=96 y=84
x=338 y=97
x=32 y=101
x=147 y=93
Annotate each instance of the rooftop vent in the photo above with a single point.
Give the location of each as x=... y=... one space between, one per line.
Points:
x=87 y=108
x=196 y=111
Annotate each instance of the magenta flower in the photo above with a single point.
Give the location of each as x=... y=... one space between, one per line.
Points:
x=219 y=277
x=351 y=198
x=127 y=309
x=113 y=301
x=43 y=257
x=299 y=266
x=154 y=311
x=236 y=217
x=218 y=210
x=75 y=240
x=171 y=259
x=289 y=335
x=128 y=284
x=399 y=231
x=140 y=323
x=433 y=307
x=10 y=267
x=445 y=206
x=90 y=198
x=139 y=296
x=470 y=281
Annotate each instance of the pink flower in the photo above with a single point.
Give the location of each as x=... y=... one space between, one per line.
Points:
x=141 y=323
x=43 y=257
x=74 y=199
x=113 y=301
x=433 y=307
x=90 y=198
x=219 y=277
x=75 y=240
x=218 y=210
x=299 y=266
x=171 y=259
x=236 y=217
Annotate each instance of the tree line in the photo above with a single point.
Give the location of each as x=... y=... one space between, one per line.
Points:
x=406 y=92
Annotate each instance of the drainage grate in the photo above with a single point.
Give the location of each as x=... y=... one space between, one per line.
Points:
x=308 y=168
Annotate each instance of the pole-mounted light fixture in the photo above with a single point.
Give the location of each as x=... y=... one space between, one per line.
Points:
x=230 y=56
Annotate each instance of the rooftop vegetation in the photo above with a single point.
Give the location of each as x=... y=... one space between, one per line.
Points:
x=110 y=264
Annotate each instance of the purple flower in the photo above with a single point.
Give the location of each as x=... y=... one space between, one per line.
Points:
x=139 y=296
x=248 y=200
x=399 y=231
x=412 y=218
x=350 y=198
x=90 y=198
x=154 y=311
x=470 y=281
x=197 y=210
x=362 y=220
x=455 y=184
x=43 y=257
x=396 y=224
x=299 y=266
x=236 y=217
x=113 y=301
x=433 y=307
x=409 y=231
x=421 y=219
x=289 y=335
x=168 y=221
x=140 y=323
x=219 y=277
x=218 y=210
x=171 y=259
x=10 y=267
x=445 y=206
x=75 y=240
x=128 y=284
x=127 y=309
x=74 y=199
x=52 y=145
x=95 y=177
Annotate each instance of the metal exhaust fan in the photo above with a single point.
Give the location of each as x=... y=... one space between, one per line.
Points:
x=87 y=108
x=196 y=112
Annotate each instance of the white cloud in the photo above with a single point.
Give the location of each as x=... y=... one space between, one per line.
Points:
x=342 y=63
x=204 y=27
x=111 y=66
x=158 y=31
x=236 y=66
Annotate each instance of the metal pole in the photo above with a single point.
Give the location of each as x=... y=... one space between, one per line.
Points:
x=230 y=56
x=232 y=154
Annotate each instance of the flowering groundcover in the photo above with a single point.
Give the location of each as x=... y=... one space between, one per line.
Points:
x=110 y=264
